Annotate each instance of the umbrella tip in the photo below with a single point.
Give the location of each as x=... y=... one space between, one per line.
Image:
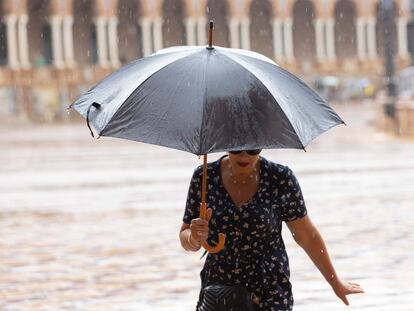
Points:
x=70 y=107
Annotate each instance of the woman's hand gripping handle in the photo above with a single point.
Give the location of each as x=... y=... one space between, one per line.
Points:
x=205 y=215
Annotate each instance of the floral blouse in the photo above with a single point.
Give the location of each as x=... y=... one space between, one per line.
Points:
x=254 y=254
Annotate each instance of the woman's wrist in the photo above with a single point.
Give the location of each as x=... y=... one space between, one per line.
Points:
x=194 y=246
x=333 y=280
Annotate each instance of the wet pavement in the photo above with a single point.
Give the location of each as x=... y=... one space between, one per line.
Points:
x=93 y=225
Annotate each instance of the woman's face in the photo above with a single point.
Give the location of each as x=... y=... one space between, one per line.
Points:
x=243 y=162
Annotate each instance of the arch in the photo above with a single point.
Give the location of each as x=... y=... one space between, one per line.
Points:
x=290 y=6
x=379 y=31
x=40 y=38
x=173 y=29
x=345 y=15
x=261 y=33
x=358 y=9
x=218 y=10
x=129 y=31
x=84 y=33
x=3 y=37
x=304 y=32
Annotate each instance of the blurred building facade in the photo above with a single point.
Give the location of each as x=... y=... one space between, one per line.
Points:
x=52 y=50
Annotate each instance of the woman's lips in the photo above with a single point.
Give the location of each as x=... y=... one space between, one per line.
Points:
x=243 y=164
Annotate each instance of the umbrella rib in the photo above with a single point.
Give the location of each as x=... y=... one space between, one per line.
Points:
x=252 y=54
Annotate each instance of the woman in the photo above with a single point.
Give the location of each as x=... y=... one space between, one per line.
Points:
x=248 y=198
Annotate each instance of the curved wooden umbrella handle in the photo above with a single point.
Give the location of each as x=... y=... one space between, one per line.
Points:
x=222 y=237
x=218 y=247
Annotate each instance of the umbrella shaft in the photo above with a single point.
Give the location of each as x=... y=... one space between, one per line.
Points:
x=204 y=183
x=203 y=207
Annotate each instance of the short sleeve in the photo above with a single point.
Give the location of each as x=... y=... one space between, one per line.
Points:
x=192 y=206
x=292 y=201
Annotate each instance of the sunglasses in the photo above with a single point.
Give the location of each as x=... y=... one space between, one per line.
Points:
x=252 y=152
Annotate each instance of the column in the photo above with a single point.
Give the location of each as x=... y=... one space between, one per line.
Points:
x=68 y=41
x=245 y=34
x=56 y=25
x=23 y=42
x=190 y=31
x=402 y=38
x=277 y=39
x=12 y=41
x=330 y=39
x=234 y=34
x=201 y=31
x=101 y=23
x=288 y=39
x=157 y=34
x=372 y=45
x=319 y=36
x=361 y=38
x=113 y=42
x=146 y=36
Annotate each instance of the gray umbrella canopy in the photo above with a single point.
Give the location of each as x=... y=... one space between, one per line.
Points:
x=205 y=100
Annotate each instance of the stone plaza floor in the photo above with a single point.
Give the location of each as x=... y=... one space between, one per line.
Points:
x=93 y=224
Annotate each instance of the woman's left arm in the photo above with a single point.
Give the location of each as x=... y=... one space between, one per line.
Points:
x=309 y=238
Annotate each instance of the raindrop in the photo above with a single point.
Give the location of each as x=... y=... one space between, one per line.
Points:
x=322 y=251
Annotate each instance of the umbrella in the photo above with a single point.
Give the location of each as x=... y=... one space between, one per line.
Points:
x=207 y=99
